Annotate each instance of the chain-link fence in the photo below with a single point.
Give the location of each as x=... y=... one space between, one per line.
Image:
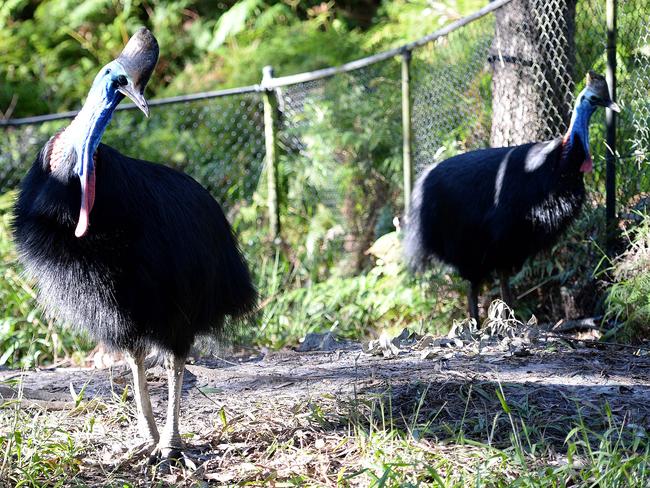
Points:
x=219 y=141
x=508 y=76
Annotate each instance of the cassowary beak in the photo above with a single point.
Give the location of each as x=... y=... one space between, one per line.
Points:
x=613 y=106
x=130 y=91
x=138 y=58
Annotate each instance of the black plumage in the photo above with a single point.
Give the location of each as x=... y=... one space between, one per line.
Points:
x=489 y=210
x=158 y=266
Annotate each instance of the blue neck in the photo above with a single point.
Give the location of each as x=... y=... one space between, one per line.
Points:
x=89 y=126
x=579 y=127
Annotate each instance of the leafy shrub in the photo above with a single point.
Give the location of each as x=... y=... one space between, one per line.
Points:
x=386 y=297
x=562 y=282
x=628 y=299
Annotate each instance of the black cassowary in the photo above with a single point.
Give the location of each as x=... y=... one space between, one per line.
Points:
x=138 y=254
x=488 y=210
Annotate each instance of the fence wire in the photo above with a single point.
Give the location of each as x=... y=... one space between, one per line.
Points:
x=342 y=141
x=507 y=78
x=640 y=101
x=218 y=141
x=450 y=94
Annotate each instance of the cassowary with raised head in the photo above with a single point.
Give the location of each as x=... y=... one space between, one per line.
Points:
x=138 y=254
x=488 y=210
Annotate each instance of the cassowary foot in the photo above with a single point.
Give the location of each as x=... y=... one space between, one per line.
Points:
x=164 y=457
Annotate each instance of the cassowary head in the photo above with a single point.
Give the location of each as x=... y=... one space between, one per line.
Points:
x=594 y=95
x=125 y=76
x=128 y=75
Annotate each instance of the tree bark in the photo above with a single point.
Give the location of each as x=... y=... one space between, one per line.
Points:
x=532 y=56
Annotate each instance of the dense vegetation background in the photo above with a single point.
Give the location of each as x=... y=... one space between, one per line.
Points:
x=340 y=267
x=50 y=50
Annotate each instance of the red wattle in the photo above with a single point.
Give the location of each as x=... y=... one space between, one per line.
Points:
x=587 y=166
x=87 y=202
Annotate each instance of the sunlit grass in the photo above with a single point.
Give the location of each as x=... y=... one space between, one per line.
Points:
x=357 y=440
x=359 y=443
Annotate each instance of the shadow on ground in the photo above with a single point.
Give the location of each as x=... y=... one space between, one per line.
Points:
x=285 y=414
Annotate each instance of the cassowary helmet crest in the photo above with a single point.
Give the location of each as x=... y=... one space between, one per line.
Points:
x=139 y=58
x=597 y=85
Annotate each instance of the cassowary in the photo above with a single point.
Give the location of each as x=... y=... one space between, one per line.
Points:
x=138 y=254
x=488 y=210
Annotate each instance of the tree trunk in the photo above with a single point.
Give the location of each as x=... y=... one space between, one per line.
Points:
x=532 y=56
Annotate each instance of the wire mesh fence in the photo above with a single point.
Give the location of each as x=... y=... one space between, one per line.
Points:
x=635 y=89
x=508 y=77
x=219 y=141
x=342 y=138
x=640 y=87
x=451 y=94
x=633 y=175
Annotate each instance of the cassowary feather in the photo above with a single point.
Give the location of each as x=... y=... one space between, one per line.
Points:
x=159 y=266
x=489 y=210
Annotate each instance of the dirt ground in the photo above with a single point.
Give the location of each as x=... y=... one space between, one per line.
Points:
x=279 y=415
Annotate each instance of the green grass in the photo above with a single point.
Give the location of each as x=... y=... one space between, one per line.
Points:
x=403 y=452
x=35 y=451
x=42 y=446
x=343 y=443
x=605 y=460
x=628 y=299
x=385 y=297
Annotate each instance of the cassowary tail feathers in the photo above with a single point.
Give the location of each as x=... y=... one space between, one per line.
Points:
x=416 y=255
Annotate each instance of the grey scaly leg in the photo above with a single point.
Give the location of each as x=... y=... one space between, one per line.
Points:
x=146 y=422
x=170 y=443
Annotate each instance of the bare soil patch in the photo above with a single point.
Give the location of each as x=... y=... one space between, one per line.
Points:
x=278 y=416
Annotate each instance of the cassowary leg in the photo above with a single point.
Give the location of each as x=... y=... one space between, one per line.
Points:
x=472 y=301
x=506 y=292
x=146 y=422
x=170 y=444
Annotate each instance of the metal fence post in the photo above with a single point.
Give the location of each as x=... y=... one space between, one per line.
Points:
x=406 y=129
x=610 y=154
x=270 y=136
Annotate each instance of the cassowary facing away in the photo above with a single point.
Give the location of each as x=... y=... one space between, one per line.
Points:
x=138 y=254
x=489 y=210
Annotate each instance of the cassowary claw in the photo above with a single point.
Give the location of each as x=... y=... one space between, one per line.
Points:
x=165 y=457
x=143 y=449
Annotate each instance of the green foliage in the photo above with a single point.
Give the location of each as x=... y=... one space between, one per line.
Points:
x=350 y=159
x=562 y=281
x=53 y=48
x=385 y=297
x=628 y=299
x=233 y=21
x=35 y=454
